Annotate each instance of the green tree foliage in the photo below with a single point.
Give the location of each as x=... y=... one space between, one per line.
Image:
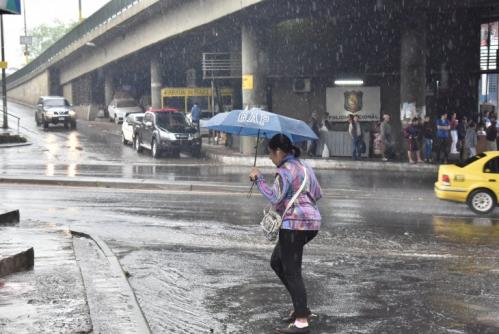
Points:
x=47 y=34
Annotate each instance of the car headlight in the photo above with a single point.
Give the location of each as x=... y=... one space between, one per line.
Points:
x=50 y=114
x=72 y=113
x=168 y=136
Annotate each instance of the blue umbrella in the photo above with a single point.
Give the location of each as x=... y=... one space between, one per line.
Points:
x=257 y=122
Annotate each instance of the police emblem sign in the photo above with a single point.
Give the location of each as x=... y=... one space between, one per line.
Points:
x=364 y=102
x=353 y=101
x=10 y=6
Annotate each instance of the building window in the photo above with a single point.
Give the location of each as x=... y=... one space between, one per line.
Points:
x=489 y=46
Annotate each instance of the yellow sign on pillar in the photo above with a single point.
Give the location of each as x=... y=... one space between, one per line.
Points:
x=248 y=81
x=3 y=64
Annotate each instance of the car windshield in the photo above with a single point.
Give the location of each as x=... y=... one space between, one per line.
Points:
x=139 y=118
x=470 y=160
x=126 y=104
x=56 y=103
x=171 y=120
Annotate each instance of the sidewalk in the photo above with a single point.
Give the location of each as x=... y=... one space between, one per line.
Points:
x=229 y=156
x=75 y=286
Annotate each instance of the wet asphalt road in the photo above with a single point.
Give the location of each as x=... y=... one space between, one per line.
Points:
x=389 y=259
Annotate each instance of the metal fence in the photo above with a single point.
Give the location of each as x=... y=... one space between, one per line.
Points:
x=104 y=15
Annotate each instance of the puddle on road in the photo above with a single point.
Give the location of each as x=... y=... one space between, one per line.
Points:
x=469 y=230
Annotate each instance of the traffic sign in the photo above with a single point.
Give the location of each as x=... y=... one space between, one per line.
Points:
x=3 y=64
x=26 y=40
x=10 y=7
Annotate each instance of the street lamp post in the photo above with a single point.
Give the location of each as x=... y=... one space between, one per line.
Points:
x=4 y=77
x=79 y=11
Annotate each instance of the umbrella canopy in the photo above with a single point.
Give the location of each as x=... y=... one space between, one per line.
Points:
x=257 y=122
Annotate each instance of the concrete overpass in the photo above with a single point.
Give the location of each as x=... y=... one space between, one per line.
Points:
x=425 y=53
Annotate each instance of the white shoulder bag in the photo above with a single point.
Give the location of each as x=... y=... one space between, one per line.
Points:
x=272 y=221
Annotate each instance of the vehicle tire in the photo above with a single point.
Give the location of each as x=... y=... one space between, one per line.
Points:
x=66 y=125
x=176 y=154
x=123 y=140
x=36 y=120
x=136 y=144
x=481 y=201
x=154 y=149
x=45 y=124
x=73 y=125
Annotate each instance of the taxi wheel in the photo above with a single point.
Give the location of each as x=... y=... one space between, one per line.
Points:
x=481 y=201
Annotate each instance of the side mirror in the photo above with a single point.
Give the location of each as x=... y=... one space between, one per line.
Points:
x=148 y=124
x=39 y=105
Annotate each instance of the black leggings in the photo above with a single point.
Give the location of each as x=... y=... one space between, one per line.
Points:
x=286 y=261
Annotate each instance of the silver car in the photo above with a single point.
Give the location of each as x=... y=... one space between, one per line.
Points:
x=54 y=110
x=119 y=107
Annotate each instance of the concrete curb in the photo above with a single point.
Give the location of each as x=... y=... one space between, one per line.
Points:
x=140 y=318
x=329 y=164
x=15 y=144
x=17 y=262
x=138 y=184
x=9 y=218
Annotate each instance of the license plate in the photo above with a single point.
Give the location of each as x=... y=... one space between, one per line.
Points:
x=61 y=118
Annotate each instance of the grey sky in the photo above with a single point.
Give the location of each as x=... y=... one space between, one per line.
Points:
x=39 y=12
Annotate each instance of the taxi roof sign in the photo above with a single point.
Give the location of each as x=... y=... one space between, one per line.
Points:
x=10 y=6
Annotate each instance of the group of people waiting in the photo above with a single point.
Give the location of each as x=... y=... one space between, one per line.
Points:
x=436 y=139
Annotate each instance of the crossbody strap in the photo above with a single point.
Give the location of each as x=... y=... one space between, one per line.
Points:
x=295 y=196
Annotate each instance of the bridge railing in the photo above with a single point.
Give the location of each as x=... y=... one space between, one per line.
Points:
x=105 y=14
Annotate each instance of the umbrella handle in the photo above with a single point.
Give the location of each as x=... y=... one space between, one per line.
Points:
x=256 y=147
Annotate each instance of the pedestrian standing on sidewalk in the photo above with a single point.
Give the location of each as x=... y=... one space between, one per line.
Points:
x=471 y=140
x=355 y=132
x=461 y=136
x=315 y=126
x=387 y=138
x=491 y=135
x=196 y=115
x=443 y=129
x=428 y=136
x=412 y=134
x=453 y=133
x=300 y=224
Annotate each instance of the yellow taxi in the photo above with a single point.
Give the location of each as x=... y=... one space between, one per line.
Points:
x=475 y=182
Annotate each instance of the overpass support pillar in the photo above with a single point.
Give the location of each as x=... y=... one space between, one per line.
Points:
x=108 y=88
x=155 y=83
x=254 y=68
x=413 y=61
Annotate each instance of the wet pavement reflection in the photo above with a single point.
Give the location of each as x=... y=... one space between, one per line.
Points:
x=198 y=261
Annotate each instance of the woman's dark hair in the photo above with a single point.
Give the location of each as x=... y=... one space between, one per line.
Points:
x=283 y=143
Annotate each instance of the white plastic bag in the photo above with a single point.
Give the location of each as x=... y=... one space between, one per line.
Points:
x=325 y=152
